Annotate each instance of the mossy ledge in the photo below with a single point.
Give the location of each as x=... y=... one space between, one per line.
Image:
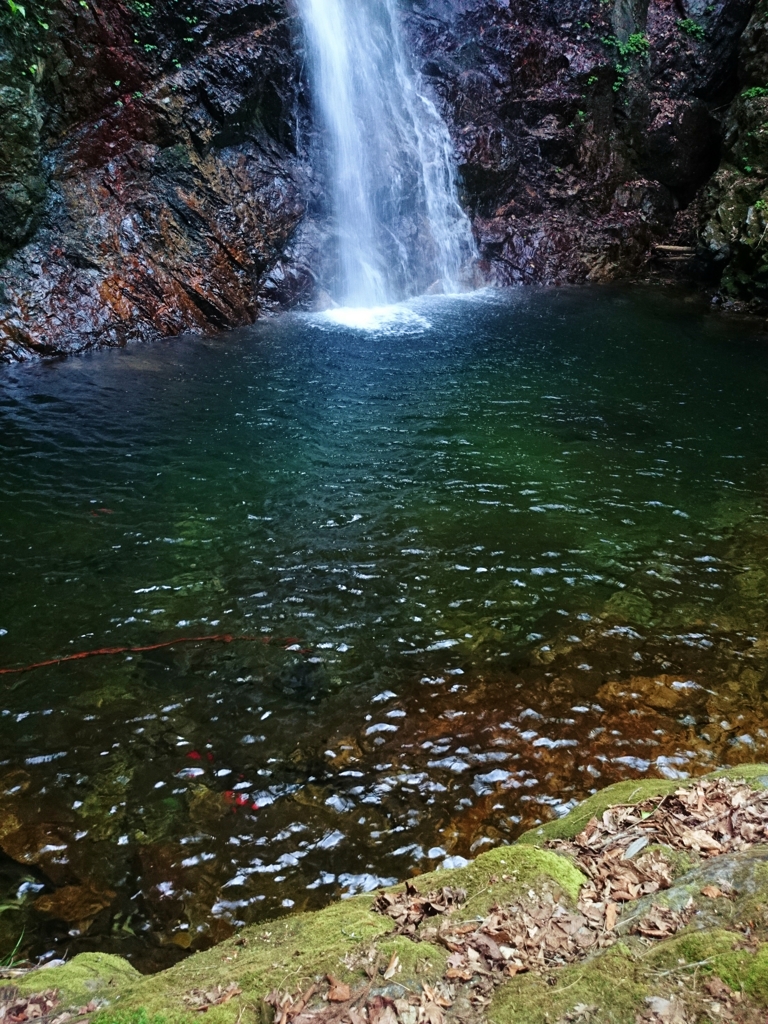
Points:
x=342 y=939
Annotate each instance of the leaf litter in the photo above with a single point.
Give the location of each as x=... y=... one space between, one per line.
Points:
x=619 y=853
x=40 y=1007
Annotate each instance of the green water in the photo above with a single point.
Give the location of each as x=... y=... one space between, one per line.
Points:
x=453 y=530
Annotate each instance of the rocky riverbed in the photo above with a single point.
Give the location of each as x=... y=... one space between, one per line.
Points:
x=160 y=170
x=647 y=904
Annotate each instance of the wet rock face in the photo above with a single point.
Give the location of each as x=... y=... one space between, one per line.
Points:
x=149 y=165
x=736 y=200
x=584 y=130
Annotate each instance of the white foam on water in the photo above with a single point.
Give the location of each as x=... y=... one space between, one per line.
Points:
x=388 y=320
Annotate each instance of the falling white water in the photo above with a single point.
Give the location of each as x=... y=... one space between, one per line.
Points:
x=400 y=227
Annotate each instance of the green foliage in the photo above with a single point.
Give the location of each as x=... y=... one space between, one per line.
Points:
x=143 y=8
x=12 y=959
x=16 y=9
x=691 y=28
x=761 y=205
x=636 y=46
x=748 y=94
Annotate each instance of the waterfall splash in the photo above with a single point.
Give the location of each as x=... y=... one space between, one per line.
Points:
x=400 y=227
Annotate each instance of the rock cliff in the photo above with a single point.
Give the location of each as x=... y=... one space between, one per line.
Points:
x=149 y=175
x=158 y=171
x=589 y=133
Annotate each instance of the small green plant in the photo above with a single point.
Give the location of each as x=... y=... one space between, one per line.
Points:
x=761 y=205
x=12 y=959
x=592 y=79
x=691 y=28
x=138 y=95
x=748 y=94
x=143 y=8
x=17 y=10
x=637 y=45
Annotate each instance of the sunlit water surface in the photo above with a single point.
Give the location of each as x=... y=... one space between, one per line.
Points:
x=505 y=549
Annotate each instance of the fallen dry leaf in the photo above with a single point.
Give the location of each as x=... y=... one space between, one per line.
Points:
x=409 y=908
x=713 y=892
x=339 y=991
x=201 y=1000
x=718 y=989
x=392 y=969
x=15 y=1008
x=611 y=913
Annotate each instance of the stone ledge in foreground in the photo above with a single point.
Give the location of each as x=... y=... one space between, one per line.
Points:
x=613 y=985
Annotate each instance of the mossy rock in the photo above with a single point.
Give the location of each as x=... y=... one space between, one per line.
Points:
x=715 y=952
x=342 y=939
x=609 y=982
x=89 y=976
x=631 y=792
x=348 y=937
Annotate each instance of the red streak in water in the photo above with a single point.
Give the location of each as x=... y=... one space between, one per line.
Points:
x=220 y=638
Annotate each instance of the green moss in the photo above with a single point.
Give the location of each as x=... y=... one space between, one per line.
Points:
x=129 y=1017
x=631 y=792
x=504 y=874
x=343 y=939
x=86 y=977
x=713 y=952
x=680 y=861
x=418 y=960
x=609 y=982
x=755 y=774
x=349 y=938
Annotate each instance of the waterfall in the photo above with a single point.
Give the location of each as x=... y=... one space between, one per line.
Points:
x=399 y=224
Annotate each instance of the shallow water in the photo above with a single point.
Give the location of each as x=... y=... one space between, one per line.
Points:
x=503 y=549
